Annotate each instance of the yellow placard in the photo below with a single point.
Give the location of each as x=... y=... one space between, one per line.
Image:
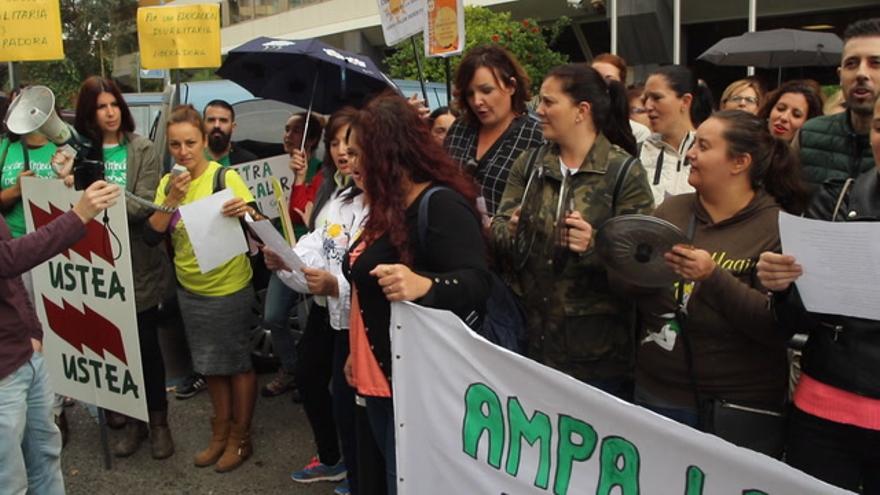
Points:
x=30 y=30
x=283 y=214
x=444 y=30
x=179 y=37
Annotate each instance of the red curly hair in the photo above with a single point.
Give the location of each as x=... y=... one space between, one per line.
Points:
x=396 y=144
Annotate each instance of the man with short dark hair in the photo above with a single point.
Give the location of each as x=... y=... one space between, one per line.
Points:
x=835 y=147
x=219 y=117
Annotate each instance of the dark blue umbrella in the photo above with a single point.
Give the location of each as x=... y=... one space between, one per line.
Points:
x=307 y=73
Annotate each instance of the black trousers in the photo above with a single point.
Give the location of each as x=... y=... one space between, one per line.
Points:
x=371 y=464
x=151 y=359
x=843 y=455
x=343 y=408
x=314 y=369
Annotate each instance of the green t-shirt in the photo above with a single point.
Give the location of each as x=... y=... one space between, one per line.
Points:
x=39 y=162
x=115 y=157
x=223 y=160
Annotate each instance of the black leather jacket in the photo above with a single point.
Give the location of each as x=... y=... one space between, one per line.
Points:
x=842 y=351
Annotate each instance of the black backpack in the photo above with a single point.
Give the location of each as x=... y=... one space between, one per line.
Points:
x=504 y=322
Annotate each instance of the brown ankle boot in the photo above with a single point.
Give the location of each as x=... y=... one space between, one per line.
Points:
x=161 y=443
x=133 y=434
x=219 y=436
x=238 y=449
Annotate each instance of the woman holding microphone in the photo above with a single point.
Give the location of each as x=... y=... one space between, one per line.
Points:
x=216 y=305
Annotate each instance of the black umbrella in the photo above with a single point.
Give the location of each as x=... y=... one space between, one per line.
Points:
x=307 y=73
x=776 y=48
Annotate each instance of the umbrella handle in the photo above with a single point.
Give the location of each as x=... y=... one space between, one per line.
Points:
x=302 y=146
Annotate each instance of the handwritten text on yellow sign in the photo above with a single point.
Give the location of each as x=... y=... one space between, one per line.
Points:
x=30 y=30
x=179 y=37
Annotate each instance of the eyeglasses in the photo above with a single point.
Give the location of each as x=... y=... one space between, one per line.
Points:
x=751 y=100
x=638 y=110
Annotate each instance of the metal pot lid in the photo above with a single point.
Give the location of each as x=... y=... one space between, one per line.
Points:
x=633 y=247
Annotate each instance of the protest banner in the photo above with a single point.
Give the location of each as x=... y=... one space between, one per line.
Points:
x=472 y=417
x=401 y=19
x=30 y=30
x=179 y=37
x=444 y=28
x=84 y=298
x=258 y=176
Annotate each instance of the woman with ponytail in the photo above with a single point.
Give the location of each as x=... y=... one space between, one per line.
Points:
x=676 y=103
x=710 y=347
x=543 y=230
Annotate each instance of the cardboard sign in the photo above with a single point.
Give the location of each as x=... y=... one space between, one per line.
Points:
x=401 y=19
x=283 y=212
x=179 y=37
x=84 y=299
x=258 y=176
x=30 y=30
x=444 y=28
x=505 y=424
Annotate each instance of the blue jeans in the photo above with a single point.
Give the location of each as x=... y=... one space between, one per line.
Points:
x=380 y=411
x=276 y=316
x=30 y=456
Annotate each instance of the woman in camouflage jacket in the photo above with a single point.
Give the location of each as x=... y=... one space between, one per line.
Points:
x=543 y=229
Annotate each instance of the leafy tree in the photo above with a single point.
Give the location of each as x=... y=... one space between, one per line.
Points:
x=526 y=39
x=95 y=31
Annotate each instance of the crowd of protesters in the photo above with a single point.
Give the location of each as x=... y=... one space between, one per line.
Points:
x=442 y=206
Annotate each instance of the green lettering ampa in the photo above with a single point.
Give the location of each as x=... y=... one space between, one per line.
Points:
x=532 y=430
x=619 y=467
x=695 y=481
x=571 y=449
x=476 y=422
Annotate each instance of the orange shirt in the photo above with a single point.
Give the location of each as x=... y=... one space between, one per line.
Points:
x=368 y=377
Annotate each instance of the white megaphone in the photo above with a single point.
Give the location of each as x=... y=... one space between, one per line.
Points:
x=33 y=110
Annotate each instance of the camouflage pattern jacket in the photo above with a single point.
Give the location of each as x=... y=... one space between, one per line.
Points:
x=576 y=324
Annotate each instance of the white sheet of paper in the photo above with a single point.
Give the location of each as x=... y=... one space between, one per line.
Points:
x=841 y=262
x=215 y=239
x=273 y=240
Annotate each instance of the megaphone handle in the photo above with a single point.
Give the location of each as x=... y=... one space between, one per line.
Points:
x=26 y=156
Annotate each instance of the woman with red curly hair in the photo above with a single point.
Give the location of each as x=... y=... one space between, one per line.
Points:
x=389 y=261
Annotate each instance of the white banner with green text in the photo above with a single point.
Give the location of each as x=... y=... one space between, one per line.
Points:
x=84 y=298
x=473 y=418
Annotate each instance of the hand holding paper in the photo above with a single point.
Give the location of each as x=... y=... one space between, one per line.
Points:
x=276 y=244
x=841 y=264
x=215 y=238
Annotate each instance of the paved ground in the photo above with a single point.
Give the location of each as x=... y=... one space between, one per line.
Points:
x=281 y=437
x=282 y=441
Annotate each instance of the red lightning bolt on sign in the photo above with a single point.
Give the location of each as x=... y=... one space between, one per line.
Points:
x=85 y=329
x=96 y=240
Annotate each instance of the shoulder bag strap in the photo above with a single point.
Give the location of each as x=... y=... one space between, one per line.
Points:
x=423 y=215
x=681 y=317
x=622 y=172
x=841 y=197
